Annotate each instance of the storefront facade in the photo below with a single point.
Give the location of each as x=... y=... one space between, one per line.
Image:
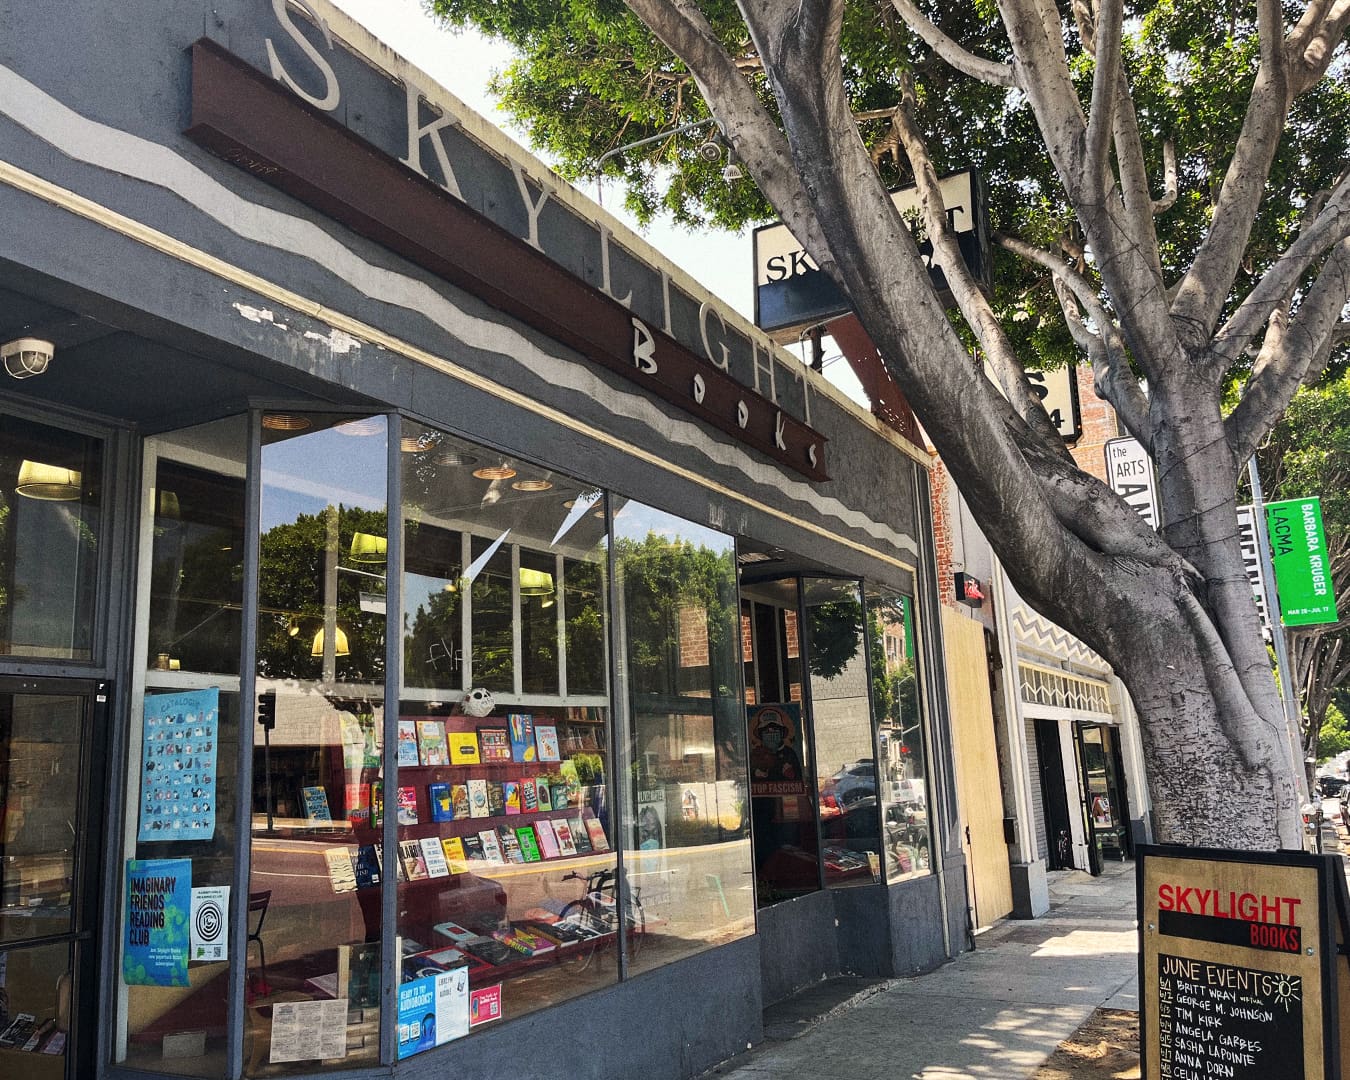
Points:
x=433 y=634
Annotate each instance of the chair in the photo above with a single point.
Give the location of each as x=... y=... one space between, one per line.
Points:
x=257 y=902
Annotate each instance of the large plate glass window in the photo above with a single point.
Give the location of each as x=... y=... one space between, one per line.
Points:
x=901 y=757
x=505 y=839
x=686 y=829
x=313 y=909
x=50 y=525
x=181 y=799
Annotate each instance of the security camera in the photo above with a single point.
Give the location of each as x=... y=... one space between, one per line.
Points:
x=710 y=150
x=26 y=357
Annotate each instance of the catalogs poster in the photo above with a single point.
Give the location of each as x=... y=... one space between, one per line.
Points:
x=432 y=1010
x=178 y=766
x=158 y=906
x=1235 y=965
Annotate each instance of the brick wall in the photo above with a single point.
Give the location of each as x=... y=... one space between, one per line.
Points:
x=1099 y=425
x=941 y=492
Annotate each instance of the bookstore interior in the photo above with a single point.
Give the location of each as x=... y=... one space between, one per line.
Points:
x=616 y=735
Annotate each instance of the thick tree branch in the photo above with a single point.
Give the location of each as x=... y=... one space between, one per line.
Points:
x=1313 y=40
x=1169 y=195
x=1105 y=83
x=977 y=67
x=1308 y=338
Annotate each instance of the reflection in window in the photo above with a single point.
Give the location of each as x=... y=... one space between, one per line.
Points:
x=686 y=827
x=50 y=516
x=492 y=662
x=584 y=607
x=902 y=774
x=433 y=625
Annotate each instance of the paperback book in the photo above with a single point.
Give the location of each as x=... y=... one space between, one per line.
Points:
x=511 y=796
x=473 y=848
x=563 y=832
x=376 y=803
x=414 y=864
x=463 y=747
x=368 y=866
x=529 y=848
x=431 y=746
x=407 y=742
x=496 y=798
x=492 y=849
x=358 y=804
x=547 y=839
x=580 y=836
x=478 y=798
x=433 y=856
x=459 y=799
x=546 y=740
x=521 y=729
x=442 y=803
x=455 y=932
x=341 y=869
x=595 y=831
x=529 y=796
x=557 y=793
x=407 y=806
x=509 y=844
x=316 y=804
x=494 y=744
x=456 y=858
x=544 y=793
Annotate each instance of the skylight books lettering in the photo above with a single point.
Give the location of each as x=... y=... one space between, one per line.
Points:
x=463 y=747
x=459 y=798
x=494 y=745
x=529 y=796
x=456 y=858
x=478 y=798
x=414 y=863
x=543 y=792
x=492 y=849
x=496 y=798
x=509 y=844
x=316 y=805
x=547 y=839
x=407 y=743
x=529 y=847
x=520 y=726
x=563 y=833
x=546 y=741
x=431 y=745
x=433 y=857
x=442 y=803
x=511 y=796
x=407 y=806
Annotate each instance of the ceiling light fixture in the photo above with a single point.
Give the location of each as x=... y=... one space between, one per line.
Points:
x=26 y=357
x=48 y=483
x=368 y=548
x=532 y=485
x=535 y=582
x=495 y=472
x=341 y=646
x=284 y=421
x=456 y=459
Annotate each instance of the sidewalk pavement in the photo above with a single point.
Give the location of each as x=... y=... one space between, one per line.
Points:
x=995 y=1013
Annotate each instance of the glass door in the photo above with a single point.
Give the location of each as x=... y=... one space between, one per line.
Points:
x=50 y=809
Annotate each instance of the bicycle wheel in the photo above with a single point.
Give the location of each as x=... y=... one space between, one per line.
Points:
x=580 y=955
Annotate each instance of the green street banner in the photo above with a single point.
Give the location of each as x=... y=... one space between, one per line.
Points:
x=1302 y=570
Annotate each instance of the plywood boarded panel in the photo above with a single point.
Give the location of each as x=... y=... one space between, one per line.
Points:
x=977 y=783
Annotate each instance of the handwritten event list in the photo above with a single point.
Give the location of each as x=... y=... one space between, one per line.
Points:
x=1222 y=1021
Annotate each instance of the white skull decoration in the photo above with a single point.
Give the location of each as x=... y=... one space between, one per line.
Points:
x=478 y=702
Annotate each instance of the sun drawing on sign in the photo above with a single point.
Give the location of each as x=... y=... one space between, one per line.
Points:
x=1287 y=990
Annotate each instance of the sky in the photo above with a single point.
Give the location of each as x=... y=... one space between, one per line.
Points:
x=464 y=63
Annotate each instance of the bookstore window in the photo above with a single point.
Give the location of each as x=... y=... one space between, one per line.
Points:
x=505 y=846
x=181 y=799
x=841 y=716
x=901 y=768
x=686 y=827
x=313 y=909
x=50 y=529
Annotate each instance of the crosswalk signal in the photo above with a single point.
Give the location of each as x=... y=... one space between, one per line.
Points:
x=267 y=709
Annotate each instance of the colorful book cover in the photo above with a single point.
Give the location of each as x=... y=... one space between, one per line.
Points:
x=341 y=869
x=596 y=832
x=442 y=804
x=547 y=839
x=529 y=847
x=567 y=772
x=407 y=806
x=456 y=858
x=494 y=744
x=511 y=796
x=463 y=747
x=543 y=793
x=529 y=796
x=580 y=836
x=546 y=740
x=557 y=793
x=431 y=747
x=433 y=856
x=407 y=742
x=367 y=866
x=473 y=848
x=358 y=804
x=510 y=845
x=459 y=799
x=492 y=850
x=563 y=832
x=520 y=726
x=414 y=864
x=376 y=803
x=316 y=804
x=478 y=798
x=496 y=798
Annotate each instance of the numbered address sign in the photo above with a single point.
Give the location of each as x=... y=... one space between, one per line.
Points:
x=1058 y=394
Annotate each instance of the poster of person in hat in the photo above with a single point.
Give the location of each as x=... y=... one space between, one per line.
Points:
x=775 y=761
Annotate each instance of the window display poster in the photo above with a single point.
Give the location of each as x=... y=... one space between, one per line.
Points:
x=432 y=1011
x=485 y=1005
x=210 y=919
x=178 y=766
x=158 y=909
x=775 y=750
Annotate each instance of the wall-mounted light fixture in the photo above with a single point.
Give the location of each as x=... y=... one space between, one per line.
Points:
x=26 y=357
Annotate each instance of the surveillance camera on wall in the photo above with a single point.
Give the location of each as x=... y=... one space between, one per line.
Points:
x=710 y=150
x=26 y=357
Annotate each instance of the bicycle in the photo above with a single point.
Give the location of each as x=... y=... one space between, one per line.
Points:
x=596 y=913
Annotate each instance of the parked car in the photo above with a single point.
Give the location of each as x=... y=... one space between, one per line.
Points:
x=1331 y=787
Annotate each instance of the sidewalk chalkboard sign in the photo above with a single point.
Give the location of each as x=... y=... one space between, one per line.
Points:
x=1238 y=964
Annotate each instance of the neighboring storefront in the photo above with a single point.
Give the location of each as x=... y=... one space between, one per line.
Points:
x=434 y=635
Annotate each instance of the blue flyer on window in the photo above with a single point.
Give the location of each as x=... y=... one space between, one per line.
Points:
x=158 y=903
x=178 y=766
x=432 y=1010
